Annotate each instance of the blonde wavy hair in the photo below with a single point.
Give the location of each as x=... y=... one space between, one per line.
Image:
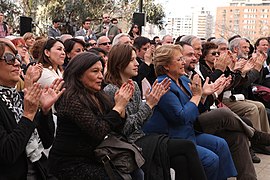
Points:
x=163 y=56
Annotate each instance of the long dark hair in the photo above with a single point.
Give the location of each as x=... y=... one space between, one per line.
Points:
x=97 y=101
x=130 y=33
x=118 y=59
x=44 y=59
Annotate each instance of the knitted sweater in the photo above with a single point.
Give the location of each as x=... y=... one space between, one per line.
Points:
x=137 y=112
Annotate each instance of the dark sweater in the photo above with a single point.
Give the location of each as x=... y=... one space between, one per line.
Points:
x=13 y=140
x=79 y=131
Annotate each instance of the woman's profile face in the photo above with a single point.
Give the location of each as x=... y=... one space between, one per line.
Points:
x=10 y=74
x=56 y=54
x=176 y=66
x=132 y=68
x=92 y=78
x=212 y=56
x=135 y=28
x=22 y=49
x=77 y=48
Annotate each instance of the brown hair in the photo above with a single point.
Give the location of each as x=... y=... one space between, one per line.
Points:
x=36 y=49
x=2 y=49
x=118 y=59
x=28 y=35
x=163 y=56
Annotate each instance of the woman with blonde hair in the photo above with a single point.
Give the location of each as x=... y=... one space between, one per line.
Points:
x=177 y=112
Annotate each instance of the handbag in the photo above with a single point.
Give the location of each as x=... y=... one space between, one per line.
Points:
x=116 y=153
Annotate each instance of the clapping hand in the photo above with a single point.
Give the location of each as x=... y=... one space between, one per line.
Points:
x=51 y=94
x=122 y=97
x=210 y=88
x=223 y=82
x=32 y=75
x=259 y=59
x=31 y=100
x=196 y=85
x=157 y=91
x=222 y=62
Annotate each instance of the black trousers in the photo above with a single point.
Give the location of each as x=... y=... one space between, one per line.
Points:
x=185 y=160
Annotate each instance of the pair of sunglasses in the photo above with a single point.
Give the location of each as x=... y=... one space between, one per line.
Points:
x=215 y=53
x=105 y=43
x=11 y=58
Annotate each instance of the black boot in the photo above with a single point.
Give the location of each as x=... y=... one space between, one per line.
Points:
x=258 y=148
x=260 y=138
x=255 y=159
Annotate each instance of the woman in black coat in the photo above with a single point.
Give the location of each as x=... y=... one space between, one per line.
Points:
x=25 y=130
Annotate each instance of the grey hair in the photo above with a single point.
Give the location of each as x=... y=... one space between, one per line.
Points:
x=166 y=36
x=219 y=41
x=235 y=43
x=116 y=39
x=188 y=39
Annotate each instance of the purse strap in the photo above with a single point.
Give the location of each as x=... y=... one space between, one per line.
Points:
x=108 y=167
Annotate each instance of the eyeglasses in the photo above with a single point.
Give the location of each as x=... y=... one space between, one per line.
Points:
x=182 y=58
x=92 y=44
x=22 y=46
x=11 y=59
x=215 y=53
x=145 y=49
x=105 y=43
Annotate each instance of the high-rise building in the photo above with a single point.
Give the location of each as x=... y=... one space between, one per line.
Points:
x=198 y=22
x=177 y=26
x=203 y=23
x=248 y=18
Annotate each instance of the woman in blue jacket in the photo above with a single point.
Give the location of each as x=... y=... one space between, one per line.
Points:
x=177 y=111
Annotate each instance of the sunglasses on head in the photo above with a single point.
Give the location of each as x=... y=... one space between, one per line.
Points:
x=215 y=53
x=11 y=58
x=105 y=43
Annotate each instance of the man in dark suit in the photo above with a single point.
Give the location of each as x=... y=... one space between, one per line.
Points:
x=54 y=29
x=86 y=31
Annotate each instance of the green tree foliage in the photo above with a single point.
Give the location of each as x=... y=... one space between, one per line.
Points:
x=73 y=12
x=154 y=13
x=11 y=11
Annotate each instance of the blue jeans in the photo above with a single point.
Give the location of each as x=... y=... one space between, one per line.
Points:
x=215 y=156
x=137 y=174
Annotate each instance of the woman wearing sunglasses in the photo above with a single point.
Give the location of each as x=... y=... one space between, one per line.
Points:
x=26 y=125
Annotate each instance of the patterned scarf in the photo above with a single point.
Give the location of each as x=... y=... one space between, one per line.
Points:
x=14 y=102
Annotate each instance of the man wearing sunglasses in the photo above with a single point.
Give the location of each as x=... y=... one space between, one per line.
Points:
x=104 y=43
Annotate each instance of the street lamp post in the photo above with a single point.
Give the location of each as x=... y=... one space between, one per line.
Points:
x=140 y=5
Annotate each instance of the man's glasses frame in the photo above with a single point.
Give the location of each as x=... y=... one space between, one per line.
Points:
x=105 y=43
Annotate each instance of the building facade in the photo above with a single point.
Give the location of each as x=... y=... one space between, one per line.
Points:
x=248 y=18
x=198 y=22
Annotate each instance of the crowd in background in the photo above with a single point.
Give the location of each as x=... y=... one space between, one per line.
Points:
x=197 y=106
